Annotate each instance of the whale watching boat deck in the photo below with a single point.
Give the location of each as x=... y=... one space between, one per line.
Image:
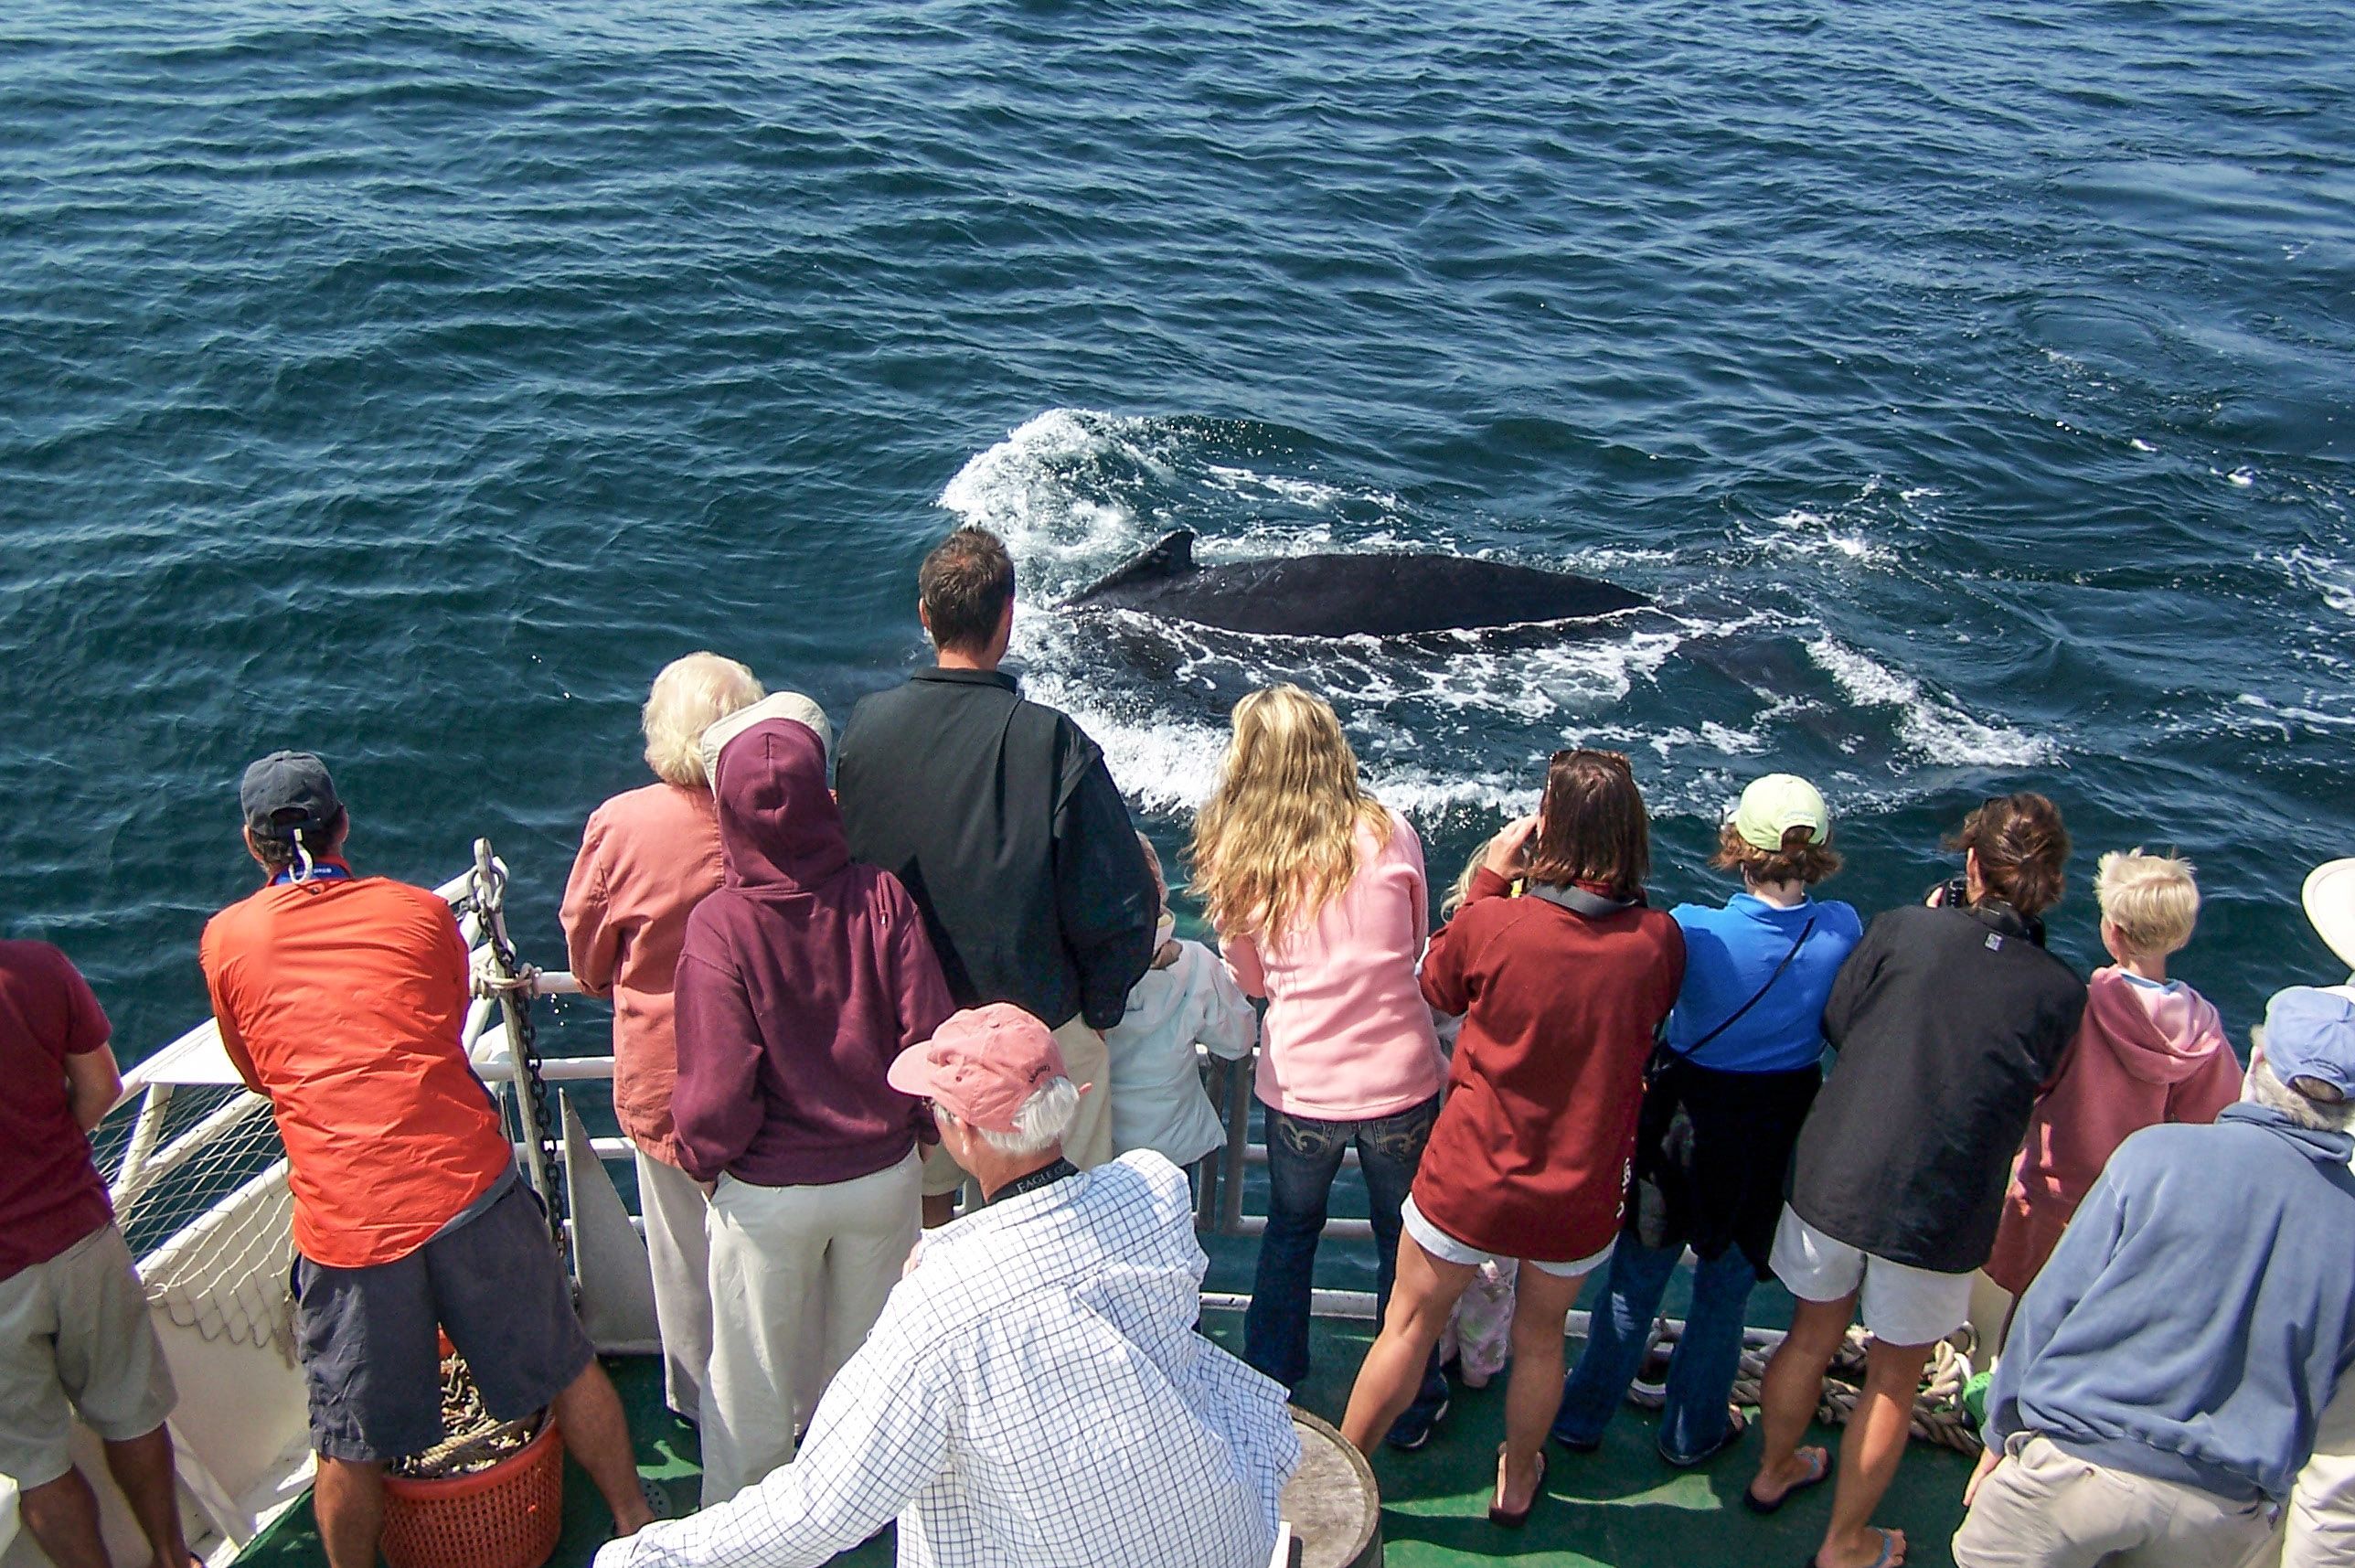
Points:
x=200 y=1188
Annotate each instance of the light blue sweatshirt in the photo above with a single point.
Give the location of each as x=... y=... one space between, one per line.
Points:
x=2198 y=1311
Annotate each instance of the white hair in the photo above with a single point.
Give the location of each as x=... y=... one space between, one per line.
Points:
x=689 y=696
x=2263 y=1087
x=1038 y=1125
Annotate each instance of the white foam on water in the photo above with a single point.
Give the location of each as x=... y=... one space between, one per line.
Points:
x=1936 y=729
x=1807 y=534
x=2141 y=445
x=2331 y=578
x=1452 y=723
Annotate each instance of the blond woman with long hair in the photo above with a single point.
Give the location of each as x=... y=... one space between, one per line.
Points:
x=1316 y=891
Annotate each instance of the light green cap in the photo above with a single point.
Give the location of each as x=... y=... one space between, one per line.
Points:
x=1777 y=803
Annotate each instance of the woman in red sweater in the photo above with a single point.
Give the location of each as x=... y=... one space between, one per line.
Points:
x=1562 y=992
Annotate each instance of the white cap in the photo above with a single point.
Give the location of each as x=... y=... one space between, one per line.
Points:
x=2330 y=905
x=790 y=705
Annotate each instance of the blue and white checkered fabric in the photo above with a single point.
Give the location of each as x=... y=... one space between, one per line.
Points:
x=1034 y=1396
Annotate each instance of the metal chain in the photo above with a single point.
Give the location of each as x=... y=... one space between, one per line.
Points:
x=511 y=983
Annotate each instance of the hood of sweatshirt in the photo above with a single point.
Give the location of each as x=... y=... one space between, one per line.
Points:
x=780 y=831
x=2158 y=1036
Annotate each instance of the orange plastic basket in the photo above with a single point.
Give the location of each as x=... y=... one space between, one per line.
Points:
x=505 y=1517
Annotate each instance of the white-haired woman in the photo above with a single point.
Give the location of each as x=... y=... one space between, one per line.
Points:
x=647 y=856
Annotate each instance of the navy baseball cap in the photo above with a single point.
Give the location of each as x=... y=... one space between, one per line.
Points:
x=286 y=790
x=2310 y=1033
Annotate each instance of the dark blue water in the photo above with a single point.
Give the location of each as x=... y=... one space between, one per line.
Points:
x=1971 y=386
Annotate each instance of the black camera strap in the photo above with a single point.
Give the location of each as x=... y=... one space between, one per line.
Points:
x=1663 y=1058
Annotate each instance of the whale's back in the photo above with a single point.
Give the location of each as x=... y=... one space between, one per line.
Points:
x=1378 y=595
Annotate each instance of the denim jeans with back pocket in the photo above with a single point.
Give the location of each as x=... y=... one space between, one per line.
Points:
x=1303 y=1156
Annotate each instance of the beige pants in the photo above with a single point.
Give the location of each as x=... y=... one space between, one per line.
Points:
x=2319 y=1526
x=798 y=1276
x=673 y=1206
x=1088 y=1141
x=2044 y=1509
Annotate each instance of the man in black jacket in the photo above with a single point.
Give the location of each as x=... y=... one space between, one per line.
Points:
x=1001 y=819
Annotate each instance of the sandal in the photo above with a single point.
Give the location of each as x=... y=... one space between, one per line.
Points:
x=1497 y=1515
x=1819 y=1469
x=1888 y=1549
x=1736 y=1423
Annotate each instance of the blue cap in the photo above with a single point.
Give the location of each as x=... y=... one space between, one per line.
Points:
x=2310 y=1033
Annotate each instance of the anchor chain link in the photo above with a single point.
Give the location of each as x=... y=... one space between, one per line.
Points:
x=511 y=983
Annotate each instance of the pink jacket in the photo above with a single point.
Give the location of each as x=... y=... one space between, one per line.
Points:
x=1347 y=1037
x=2142 y=1056
x=647 y=857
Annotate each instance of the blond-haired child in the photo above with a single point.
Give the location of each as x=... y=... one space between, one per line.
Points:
x=2150 y=1050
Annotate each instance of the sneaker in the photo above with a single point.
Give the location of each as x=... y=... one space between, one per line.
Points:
x=1650 y=1389
x=1412 y=1430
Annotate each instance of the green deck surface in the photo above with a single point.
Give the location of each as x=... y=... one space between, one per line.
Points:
x=1620 y=1508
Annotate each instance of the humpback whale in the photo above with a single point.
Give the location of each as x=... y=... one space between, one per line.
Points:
x=1381 y=595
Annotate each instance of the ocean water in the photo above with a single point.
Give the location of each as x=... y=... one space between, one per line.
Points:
x=1972 y=388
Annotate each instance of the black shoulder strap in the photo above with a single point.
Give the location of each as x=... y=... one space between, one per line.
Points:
x=1666 y=1058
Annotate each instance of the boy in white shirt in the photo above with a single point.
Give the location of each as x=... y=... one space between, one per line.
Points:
x=1187 y=999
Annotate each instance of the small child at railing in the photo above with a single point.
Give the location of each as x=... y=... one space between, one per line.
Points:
x=1479 y=1336
x=1186 y=1000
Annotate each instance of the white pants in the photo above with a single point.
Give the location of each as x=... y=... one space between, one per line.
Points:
x=2041 y=1508
x=798 y=1276
x=2319 y=1526
x=672 y=1204
x=1087 y=1142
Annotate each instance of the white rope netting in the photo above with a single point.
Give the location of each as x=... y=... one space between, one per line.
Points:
x=206 y=1206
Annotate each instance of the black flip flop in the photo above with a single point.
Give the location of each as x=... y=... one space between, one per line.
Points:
x=1758 y=1505
x=1503 y=1520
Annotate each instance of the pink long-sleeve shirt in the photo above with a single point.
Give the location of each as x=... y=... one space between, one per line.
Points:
x=1347 y=1037
x=647 y=857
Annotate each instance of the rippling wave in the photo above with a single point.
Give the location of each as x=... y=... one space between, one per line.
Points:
x=1969 y=387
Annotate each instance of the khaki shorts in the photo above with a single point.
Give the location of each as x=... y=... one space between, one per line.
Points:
x=74 y=1337
x=1901 y=1305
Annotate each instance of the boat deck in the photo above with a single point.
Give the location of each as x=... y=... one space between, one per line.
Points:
x=1620 y=1508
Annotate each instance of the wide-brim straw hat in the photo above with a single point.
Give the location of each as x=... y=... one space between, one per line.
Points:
x=2329 y=899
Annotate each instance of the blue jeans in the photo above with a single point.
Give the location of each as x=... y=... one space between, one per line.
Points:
x=1303 y=1156
x=1701 y=1369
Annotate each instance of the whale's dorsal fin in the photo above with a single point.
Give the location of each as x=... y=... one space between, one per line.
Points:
x=1172 y=557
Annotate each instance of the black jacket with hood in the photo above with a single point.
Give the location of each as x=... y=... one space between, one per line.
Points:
x=1001 y=819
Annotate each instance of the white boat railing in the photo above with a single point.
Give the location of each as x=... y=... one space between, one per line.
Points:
x=198 y=1178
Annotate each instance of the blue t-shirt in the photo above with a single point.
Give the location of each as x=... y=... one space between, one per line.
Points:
x=1728 y=953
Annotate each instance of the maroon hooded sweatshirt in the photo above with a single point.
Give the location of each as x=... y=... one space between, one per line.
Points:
x=798 y=982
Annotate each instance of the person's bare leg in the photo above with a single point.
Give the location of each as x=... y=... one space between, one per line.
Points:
x=348 y=1498
x=62 y=1517
x=141 y=1467
x=1788 y=1394
x=589 y=1413
x=1542 y=1301
x=1426 y=1293
x=1869 y=1453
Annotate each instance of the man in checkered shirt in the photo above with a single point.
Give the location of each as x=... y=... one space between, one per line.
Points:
x=1034 y=1395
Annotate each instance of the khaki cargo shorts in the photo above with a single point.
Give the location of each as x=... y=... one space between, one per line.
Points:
x=74 y=1337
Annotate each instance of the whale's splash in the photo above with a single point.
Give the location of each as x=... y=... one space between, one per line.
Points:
x=1723 y=681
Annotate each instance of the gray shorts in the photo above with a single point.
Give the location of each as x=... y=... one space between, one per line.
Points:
x=74 y=1335
x=370 y=1357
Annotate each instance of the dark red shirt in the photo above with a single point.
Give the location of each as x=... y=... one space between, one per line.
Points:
x=1528 y=1159
x=51 y=1195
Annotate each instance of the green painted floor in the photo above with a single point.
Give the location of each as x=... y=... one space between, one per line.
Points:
x=1620 y=1508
